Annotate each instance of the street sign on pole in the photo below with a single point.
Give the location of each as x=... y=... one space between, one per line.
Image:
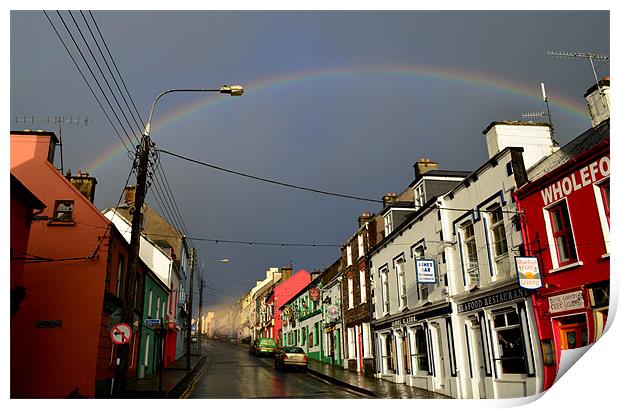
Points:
x=120 y=333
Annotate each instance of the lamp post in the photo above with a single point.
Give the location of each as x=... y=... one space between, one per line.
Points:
x=136 y=229
x=202 y=283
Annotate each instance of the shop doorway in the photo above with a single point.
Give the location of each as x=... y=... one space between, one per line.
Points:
x=477 y=360
x=573 y=331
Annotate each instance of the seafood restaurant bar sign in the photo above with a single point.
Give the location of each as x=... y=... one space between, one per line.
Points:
x=489 y=300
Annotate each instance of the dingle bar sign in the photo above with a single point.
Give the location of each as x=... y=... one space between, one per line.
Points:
x=528 y=272
x=489 y=300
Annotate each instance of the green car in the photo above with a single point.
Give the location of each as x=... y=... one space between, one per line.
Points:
x=265 y=346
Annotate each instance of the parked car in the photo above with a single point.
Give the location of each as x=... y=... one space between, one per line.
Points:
x=264 y=346
x=291 y=357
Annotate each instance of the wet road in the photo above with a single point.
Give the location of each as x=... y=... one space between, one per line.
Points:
x=233 y=373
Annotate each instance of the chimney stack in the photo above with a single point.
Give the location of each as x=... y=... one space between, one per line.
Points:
x=287 y=272
x=84 y=183
x=597 y=98
x=424 y=165
x=389 y=198
x=364 y=218
x=130 y=195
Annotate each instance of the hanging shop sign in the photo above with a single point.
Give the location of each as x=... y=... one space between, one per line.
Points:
x=528 y=272
x=566 y=302
x=333 y=312
x=425 y=270
x=315 y=294
x=287 y=311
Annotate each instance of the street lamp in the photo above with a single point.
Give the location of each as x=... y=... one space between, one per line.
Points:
x=136 y=228
x=202 y=283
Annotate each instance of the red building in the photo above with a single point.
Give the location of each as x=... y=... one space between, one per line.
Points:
x=73 y=278
x=282 y=294
x=565 y=224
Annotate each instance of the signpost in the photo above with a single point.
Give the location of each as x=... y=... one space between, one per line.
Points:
x=121 y=333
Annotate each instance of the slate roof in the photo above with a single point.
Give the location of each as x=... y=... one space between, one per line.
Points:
x=580 y=144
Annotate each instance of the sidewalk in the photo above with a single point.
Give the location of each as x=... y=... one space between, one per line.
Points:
x=372 y=386
x=174 y=378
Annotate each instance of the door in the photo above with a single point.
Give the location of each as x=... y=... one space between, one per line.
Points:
x=573 y=332
x=439 y=375
x=477 y=361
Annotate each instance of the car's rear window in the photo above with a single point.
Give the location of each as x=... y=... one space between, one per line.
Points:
x=269 y=342
x=294 y=350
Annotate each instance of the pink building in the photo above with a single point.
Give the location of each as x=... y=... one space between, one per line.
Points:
x=282 y=294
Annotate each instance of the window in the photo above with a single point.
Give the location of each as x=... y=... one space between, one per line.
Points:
x=562 y=234
x=157 y=308
x=418 y=195
x=419 y=354
x=422 y=288
x=605 y=194
x=63 y=211
x=316 y=333
x=360 y=245
x=351 y=342
x=363 y=287
x=471 y=253
x=387 y=219
x=119 y=276
x=385 y=290
x=366 y=338
x=350 y=290
x=349 y=257
x=510 y=344
x=498 y=232
x=402 y=285
x=150 y=302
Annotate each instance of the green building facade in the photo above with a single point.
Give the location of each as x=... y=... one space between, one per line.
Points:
x=151 y=343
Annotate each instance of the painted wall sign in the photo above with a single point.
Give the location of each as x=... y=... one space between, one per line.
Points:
x=425 y=270
x=581 y=178
x=489 y=300
x=528 y=272
x=49 y=324
x=566 y=302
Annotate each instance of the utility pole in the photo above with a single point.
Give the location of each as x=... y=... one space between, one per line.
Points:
x=202 y=283
x=188 y=335
x=129 y=293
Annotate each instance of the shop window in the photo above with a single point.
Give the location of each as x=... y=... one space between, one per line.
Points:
x=63 y=211
x=419 y=354
x=562 y=234
x=511 y=352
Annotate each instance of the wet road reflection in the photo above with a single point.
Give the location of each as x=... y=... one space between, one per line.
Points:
x=232 y=373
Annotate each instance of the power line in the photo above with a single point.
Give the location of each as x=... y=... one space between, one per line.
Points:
x=275 y=182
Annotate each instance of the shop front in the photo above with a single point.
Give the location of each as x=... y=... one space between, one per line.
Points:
x=497 y=345
x=417 y=348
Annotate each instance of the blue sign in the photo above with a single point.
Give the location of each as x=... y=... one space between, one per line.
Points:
x=152 y=322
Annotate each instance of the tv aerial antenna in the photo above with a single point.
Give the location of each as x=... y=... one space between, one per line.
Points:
x=58 y=121
x=590 y=57
x=543 y=114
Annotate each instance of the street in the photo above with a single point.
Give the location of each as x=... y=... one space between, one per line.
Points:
x=232 y=373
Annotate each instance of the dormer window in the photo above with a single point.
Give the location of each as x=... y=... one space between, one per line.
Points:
x=419 y=196
x=63 y=211
x=388 y=223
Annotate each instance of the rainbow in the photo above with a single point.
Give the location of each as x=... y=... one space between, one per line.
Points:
x=530 y=92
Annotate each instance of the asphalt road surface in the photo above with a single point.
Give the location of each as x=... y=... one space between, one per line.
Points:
x=232 y=373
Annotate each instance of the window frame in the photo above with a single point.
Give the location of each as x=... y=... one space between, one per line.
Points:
x=60 y=221
x=498 y=356
x=385 y=289
x=350 y=291
x=363 y=297
x=349 y=256
x=499 y=223
x=568 y=232
x=467 y=255
x=401 y=282
x=360 y=245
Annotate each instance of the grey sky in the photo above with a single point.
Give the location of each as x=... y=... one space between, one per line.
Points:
x=344 y=101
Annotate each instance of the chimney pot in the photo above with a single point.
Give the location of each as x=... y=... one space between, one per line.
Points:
x=130 y=195
x=424 y=165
